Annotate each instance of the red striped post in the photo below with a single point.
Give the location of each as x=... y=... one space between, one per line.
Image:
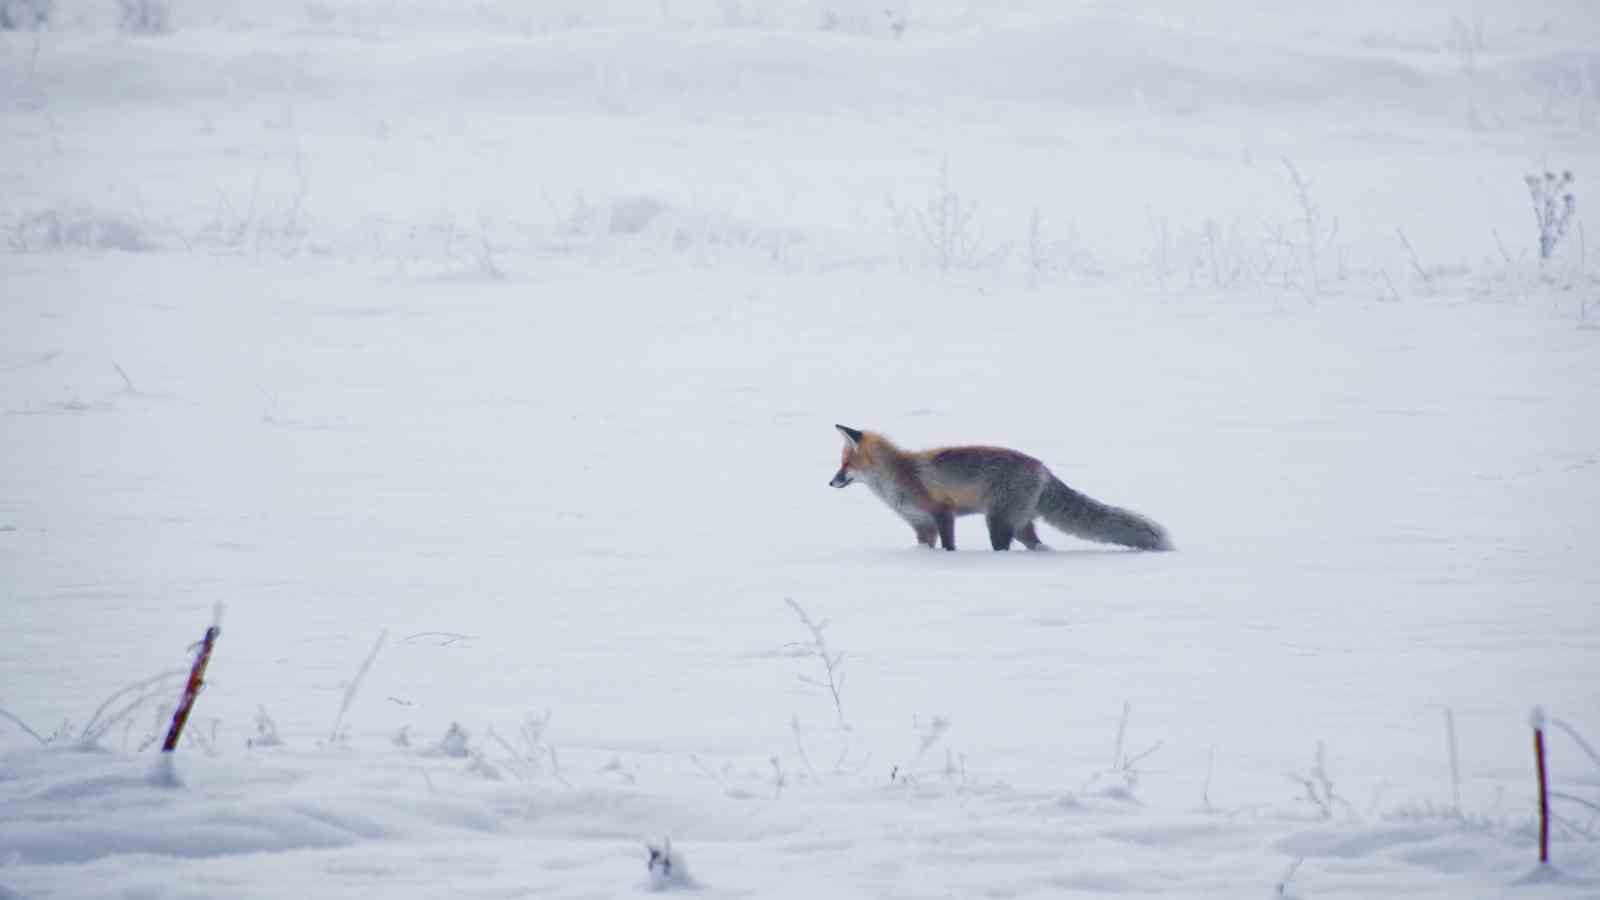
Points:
x=191 y=690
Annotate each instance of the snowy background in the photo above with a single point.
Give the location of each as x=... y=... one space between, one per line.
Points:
x=507 y=338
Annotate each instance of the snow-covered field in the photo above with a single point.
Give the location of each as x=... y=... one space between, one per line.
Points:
x=482 y=362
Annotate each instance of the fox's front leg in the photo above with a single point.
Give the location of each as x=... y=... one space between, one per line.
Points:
x=927 y=535
x=946 y=521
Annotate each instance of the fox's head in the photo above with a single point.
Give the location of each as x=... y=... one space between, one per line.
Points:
x=852 y=461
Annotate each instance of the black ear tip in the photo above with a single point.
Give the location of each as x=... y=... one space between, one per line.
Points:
x=854 y=434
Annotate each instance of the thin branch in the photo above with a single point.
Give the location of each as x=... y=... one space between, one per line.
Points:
x=1455 y=759
x=1131 y=761
x=128 y=382
x=354 y=686
x=23 y=725
x=142 y=689
x=1499 y=244
x=1590 y=804
x=800 y=744
x=706 y=770
x=1416 y=264
x=1573 y=733
x=447 y=637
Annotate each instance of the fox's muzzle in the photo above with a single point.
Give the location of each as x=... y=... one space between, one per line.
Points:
x=841 y=479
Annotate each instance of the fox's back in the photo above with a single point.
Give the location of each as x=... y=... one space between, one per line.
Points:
x=971 y=479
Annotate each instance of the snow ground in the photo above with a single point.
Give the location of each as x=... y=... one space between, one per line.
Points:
x=520 y=333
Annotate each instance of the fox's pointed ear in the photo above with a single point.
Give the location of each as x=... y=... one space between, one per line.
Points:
x=850 y=434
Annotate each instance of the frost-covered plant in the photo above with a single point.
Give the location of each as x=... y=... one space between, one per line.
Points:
x=666 y=867
x=864 y=17
x=1585 y=809
x=579 y=218
x=1205 y=790
x=945 y=227
x=832 y=662
x=532 y=756
x=62 y=229
x=205 y=739
x=842 y=764
x=1229 y=255
x=145 y=16
x=778 y=778
x=1047 y=254
x=1288 y=876
x=18 y=15
x=1318 y=786
x=479 y=765
x=123 y=703
x=1428 y=811
x=1553 y=207
x=737 y=14
x=484 y=254
x=1124 y=765
x=1320 y=231
x=928 y=734
x=266 y=731
x=456 y=742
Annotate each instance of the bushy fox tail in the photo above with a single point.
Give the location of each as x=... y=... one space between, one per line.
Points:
x=1087 y=518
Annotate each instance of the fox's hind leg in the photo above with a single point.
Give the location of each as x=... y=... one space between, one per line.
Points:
x=1030 y=538
x=1012 y=518
x=1001 y=532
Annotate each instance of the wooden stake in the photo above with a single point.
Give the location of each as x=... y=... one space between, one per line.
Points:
x=191 y=690
x=1544 y=795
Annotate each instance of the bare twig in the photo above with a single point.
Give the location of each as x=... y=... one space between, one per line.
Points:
x=23 y=725
x=1123 y=765
x=778 y=779
x=1122 y=730
x=800 y=744
x=354 y=686
x=1578 y=738
x=446 y=638
x=1393 y=294
x=1416 y=264
x=1501 y=246
x=126 y=381
x=1319 y=786
x=1283 y=883
x=1310 y=218
x=142 y=691
x=706 y=770
x=1455 y=759
x=1588 y=804
x=487 y=266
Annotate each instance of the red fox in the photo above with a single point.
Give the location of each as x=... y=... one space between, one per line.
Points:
x=929 y=488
